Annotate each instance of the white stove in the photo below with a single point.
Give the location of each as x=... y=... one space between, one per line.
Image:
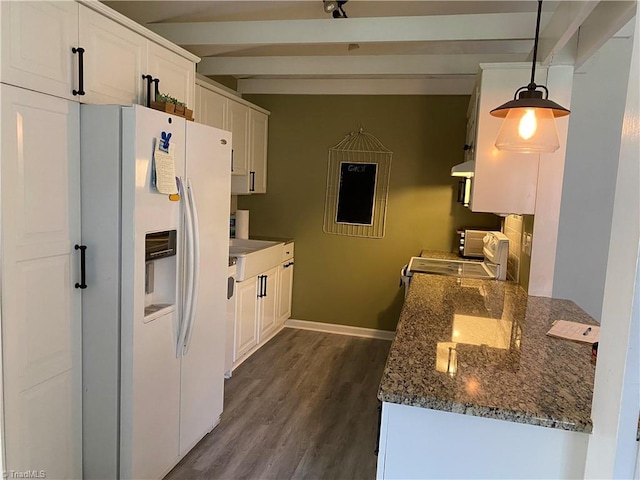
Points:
x=496 y=253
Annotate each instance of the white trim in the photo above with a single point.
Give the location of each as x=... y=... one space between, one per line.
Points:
x=136 y=27
x=460 y=85
x=340 y=329
x=219 y=89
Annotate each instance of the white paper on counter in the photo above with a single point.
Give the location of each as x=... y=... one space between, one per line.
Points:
x=164 y=168
x=578 y=332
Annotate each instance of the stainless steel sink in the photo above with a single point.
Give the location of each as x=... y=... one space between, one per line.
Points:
x=254 y=256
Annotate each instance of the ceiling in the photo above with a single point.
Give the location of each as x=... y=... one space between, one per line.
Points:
x=383 y=47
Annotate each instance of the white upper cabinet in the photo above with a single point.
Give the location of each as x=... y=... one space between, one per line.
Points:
x=504 y=182
x=249 y=127
x=89 y=54
x=175 y=73
x=238 y=124
x=114 y=60
x=210 y=108
x=27 y=61
x=258 y=131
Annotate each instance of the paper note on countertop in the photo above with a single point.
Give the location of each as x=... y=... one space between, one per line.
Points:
x=578 y=332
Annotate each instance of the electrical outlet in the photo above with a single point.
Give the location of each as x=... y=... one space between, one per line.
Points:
x=526 y=243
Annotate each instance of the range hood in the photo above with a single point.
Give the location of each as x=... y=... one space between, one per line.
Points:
x=465 y=169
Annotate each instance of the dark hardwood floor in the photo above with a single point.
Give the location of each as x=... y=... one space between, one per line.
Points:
x=303 y=407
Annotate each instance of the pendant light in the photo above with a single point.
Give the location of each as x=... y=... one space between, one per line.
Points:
x=529 y=119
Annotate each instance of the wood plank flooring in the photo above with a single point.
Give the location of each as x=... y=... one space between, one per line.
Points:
x=304 y=406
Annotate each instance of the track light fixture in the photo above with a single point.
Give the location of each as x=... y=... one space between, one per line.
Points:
x=529 y=120
x=334 y=7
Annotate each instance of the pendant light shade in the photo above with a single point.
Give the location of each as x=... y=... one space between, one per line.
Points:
x=529 y=119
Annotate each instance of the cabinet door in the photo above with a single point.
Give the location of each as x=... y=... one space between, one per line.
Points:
x=267 y=311
x=114 y=60
x=211 y=108
x=37 y=38
x=176 y=73
x=258 y=128
x=41 y=309
x=285 y=289
x=238 y=124
x=246 y=320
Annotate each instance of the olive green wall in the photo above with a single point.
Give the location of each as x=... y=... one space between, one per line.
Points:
x=351 y=280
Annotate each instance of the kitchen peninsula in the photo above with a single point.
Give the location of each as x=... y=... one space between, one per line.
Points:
x=474 y=388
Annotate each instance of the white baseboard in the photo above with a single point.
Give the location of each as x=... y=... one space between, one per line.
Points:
x=340 y=329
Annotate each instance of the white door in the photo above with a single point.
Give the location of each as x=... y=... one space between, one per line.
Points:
x=37 y=38
x=202 y=379
x=41 y=309
x=238 y=123
x=114 y=60
x=246 y=321
x=258 y=150
x=176 y=73
x=285 y=289
x=211 y=109
x=267 y=314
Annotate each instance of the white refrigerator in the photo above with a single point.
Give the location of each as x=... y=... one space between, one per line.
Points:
x=153 y=317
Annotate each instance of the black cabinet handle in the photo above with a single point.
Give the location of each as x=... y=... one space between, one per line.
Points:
x=467 y=147
x=461 y=187
x=266 y=279
x=252 y=188
x=148 y=79
x=232 y=159
x=260 y=279
x=83 y=273
x=80 y=52
x=287 y=265
x=156 y=88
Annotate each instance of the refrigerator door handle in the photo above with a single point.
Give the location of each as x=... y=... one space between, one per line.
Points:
x=188 y=273
x=195 y=231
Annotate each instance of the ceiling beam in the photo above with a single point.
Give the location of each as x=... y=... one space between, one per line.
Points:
x=351 y=65
x=315 y=86
x=603 y=23
x=562 y=27
x=491 y=26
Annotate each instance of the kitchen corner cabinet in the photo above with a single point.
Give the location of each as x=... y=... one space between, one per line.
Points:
x=503 y=182
x=115 y=53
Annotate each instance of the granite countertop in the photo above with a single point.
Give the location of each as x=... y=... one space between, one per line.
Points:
x=479 y=347
x=440 y=255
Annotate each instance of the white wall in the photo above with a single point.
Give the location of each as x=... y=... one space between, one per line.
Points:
x=591 y=164
x=612 y=446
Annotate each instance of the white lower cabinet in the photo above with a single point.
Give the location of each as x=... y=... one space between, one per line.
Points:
x=285 y=284
x=267 y=302
x=246 y=317
x=263 y=303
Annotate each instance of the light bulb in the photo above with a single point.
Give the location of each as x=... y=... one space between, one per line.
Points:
x=528 y=124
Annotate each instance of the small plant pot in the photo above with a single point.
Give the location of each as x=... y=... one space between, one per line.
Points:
x=180 y=110
x=163 y=106
x=188 y=114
